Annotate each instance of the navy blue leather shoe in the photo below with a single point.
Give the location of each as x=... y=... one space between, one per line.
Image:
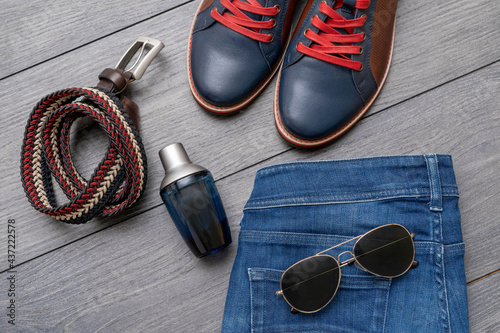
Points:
x=333 y=69
x=235 y=48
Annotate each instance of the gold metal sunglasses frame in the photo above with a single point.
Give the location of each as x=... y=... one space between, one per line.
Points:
x=349 y=262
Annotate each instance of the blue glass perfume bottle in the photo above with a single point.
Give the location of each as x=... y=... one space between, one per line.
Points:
x=189 y=193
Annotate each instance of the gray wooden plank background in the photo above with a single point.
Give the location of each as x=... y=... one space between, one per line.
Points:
x=132 y=272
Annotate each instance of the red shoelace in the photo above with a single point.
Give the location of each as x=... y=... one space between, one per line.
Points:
x=331 y=45
x=238 y=21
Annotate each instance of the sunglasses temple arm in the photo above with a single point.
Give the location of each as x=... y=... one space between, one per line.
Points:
x=331 y=248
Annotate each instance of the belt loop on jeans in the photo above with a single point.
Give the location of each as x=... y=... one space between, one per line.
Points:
x=436 y=203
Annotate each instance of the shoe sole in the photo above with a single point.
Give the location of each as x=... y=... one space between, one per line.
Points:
x=298 y=142
x=227 y=110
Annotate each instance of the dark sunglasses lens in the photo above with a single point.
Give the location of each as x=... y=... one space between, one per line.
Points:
x=310 y=284
x=387 y=251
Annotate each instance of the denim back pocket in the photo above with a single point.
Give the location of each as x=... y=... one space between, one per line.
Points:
x=360 y=304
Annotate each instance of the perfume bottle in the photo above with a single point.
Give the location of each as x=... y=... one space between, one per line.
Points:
x=189 y=193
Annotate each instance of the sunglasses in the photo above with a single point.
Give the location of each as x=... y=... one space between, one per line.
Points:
x=310 y=284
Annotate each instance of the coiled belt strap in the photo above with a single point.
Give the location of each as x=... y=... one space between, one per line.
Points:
x=117 y=182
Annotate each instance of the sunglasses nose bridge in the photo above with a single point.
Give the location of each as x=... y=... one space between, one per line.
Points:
x=348 y=261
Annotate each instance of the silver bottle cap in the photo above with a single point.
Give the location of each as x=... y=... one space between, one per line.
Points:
x=177 y=164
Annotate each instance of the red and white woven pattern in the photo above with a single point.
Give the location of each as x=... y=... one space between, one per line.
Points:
x=117 y=182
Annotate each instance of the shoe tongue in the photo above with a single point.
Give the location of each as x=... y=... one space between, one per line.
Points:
x=349 y=4
x=347 y=10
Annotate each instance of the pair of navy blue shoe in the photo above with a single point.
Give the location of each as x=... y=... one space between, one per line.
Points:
x=331 y=69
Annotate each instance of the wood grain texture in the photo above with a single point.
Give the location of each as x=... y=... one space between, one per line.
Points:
x=436 y=41
x=483 y=305
x=132 y=272
x=461 y=118
x=168 y=114
x=35 y=31
x=139 y=276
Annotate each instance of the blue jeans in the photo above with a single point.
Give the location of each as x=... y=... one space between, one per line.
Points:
x=301 y=208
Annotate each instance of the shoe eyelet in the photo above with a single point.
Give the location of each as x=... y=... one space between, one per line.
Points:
x=297 y=46
x=279 y=8
x=305 y=31
x=274 y=22
x=272 y=38
x=364 y=36
x=359 y=70
x=360 y=50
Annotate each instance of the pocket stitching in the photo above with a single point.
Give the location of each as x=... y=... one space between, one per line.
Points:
x=263 y=275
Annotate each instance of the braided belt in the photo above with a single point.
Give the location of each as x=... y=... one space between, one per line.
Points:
x=119 y=179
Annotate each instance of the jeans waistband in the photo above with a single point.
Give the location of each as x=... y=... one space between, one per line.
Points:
x=361 y=179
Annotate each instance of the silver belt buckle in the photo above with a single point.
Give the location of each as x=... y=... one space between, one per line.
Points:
x=143 y=60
